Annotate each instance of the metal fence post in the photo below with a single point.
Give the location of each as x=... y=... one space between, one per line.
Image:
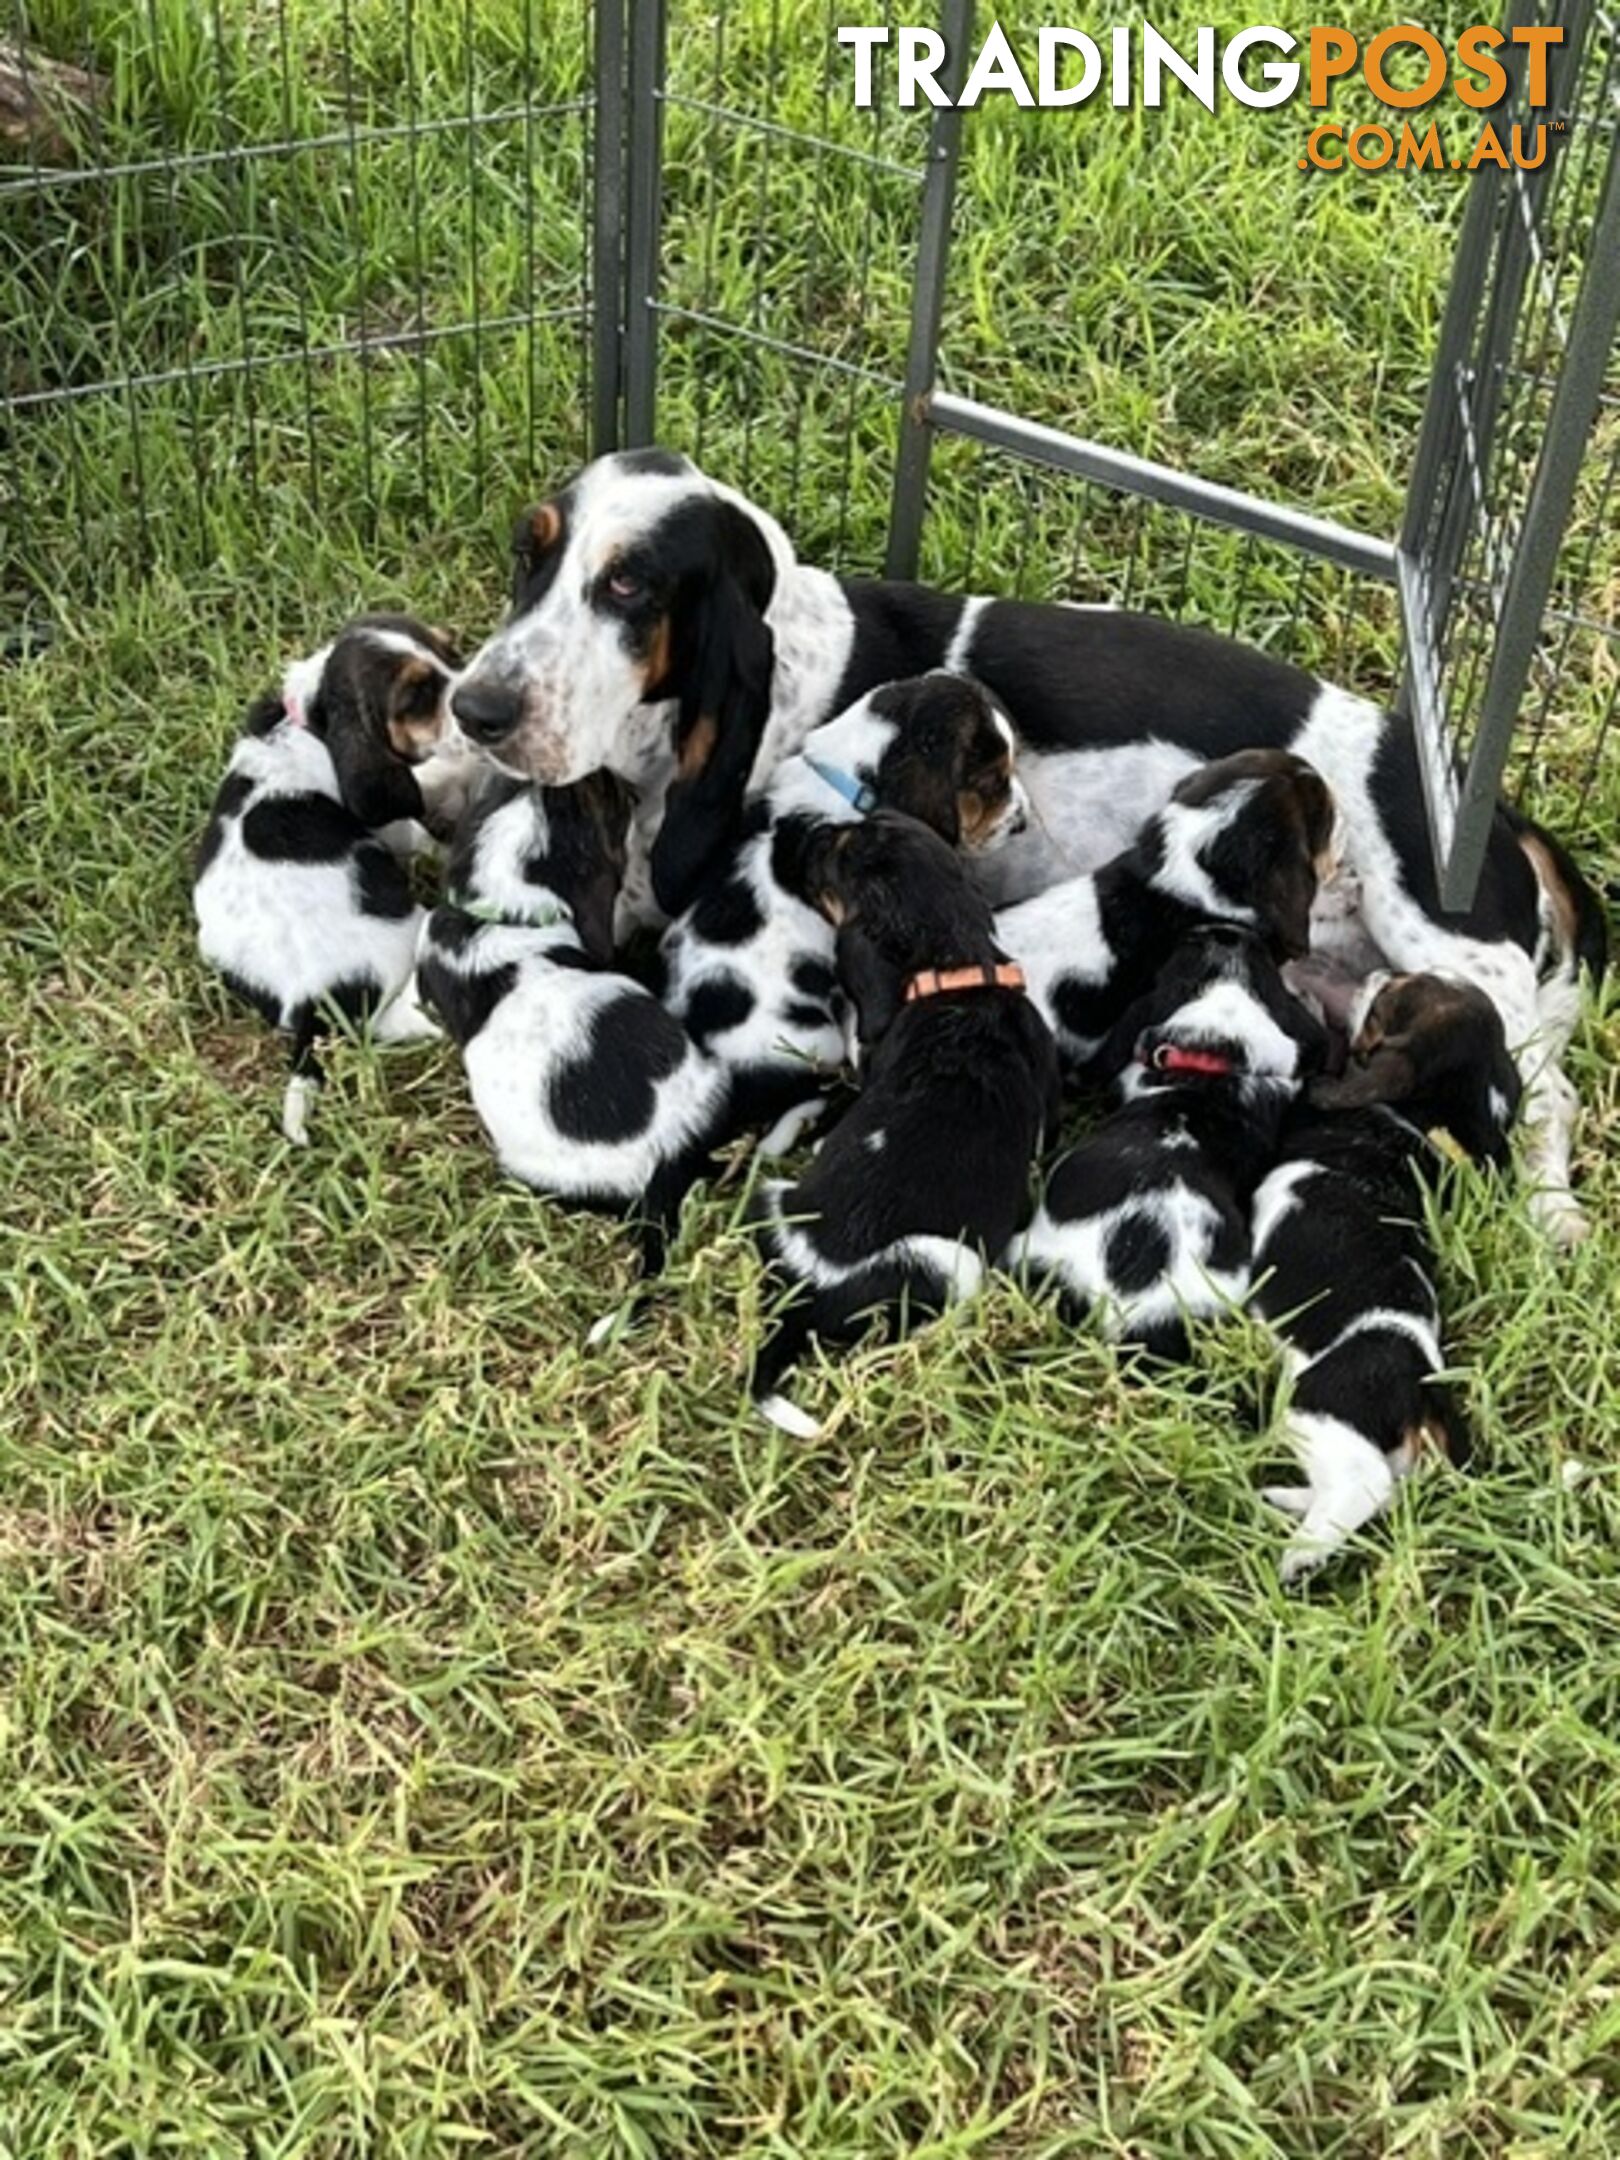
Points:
x=1535 y=559
x=910 y=494
x=647 y=25
x=607 y=227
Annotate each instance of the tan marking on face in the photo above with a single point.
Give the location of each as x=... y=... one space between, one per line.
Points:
x=545 y=523
x=832 y=907
x=413 y=735
x=698 y=747
x=655 y=672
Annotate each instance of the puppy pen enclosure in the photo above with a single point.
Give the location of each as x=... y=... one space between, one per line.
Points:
x=378 y=270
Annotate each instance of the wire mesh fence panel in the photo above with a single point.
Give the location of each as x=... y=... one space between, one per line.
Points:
x=781 y=291
x=290 y=271
x=1512 y=573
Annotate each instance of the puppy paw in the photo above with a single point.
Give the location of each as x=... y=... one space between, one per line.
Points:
x=788 y=1417
x=790 y=1128
x=405 y=1020
x=295 y=1110
x=1287 y=1499
x=604 y=1329
x=1560 y=1216
x=1301 y=1559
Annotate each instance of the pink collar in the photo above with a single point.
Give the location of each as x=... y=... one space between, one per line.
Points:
x=292 y=711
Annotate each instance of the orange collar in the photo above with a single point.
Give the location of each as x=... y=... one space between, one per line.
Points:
x=931 y=981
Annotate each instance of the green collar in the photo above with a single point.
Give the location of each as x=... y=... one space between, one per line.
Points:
x=547 y=916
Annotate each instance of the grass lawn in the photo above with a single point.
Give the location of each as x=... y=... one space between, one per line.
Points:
x=421 y=1736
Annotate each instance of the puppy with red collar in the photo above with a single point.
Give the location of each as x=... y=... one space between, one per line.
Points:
x=1246 y=839
x=300 y=904
x=929 y=1171
x=1146 y=1222
x=1343 y=1265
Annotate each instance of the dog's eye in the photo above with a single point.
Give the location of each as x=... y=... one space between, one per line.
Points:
x=624 y=585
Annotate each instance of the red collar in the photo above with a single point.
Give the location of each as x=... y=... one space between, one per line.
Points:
x=930 y=982
x=1167 y=1057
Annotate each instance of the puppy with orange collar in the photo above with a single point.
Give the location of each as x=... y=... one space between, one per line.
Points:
x=928 y=1173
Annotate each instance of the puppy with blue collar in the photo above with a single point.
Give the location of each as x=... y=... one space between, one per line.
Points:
x=749 y=968
x=589 y=1090
x=300 y=901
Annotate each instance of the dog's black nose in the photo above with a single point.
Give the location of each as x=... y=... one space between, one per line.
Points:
x=486 y=711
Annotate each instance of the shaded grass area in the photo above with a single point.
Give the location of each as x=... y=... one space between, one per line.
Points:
x=421 y=1736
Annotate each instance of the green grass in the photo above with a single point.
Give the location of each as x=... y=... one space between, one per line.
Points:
x=420 y=1736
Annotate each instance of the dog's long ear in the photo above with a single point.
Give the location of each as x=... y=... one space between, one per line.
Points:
x=724 y=686
x=1284 y=901
x=1119 y=1045
x=608 y=804
x=1315 y=1041
x=375 y=784
x=875 y=986
x=1388 y=1075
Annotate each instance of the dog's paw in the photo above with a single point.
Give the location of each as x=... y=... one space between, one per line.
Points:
x=1301 y=1559
x=295 y=1109
x=1287 y=1499
x=790 y=1128
x=788 y=1417
x=1560 y=1216
x=604 y=1329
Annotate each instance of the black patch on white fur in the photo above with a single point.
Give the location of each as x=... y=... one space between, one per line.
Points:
x=234 y=791
x=300 y=829
x=814 y=978
x=804 y=1015
x=721 y=1002
x=1136 y=1252
x=608 y=1093
x=727 y=915
x=381 y=885
x=463 y=1002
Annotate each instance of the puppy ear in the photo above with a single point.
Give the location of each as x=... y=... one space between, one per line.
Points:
x=375 y=784
x=1314 y=1039
x=875 y=988
x=1119 y=1045
x=724 y=686
x=1387 y=1076
x=805 y=860
x=1284 y=901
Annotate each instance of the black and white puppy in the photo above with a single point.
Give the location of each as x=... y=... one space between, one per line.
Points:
x=1343 y=1267
x=929 y=1171
x=1146 y=1222
x=749 y=970
x=588 y=1089
x=1244 y=840
x=300 y=905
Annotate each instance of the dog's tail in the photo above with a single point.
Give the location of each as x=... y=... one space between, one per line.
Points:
x=1577 y=907
x=781 y=1350
x=303 y=1075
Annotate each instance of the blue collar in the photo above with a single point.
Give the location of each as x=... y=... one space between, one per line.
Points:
x=861 y=798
